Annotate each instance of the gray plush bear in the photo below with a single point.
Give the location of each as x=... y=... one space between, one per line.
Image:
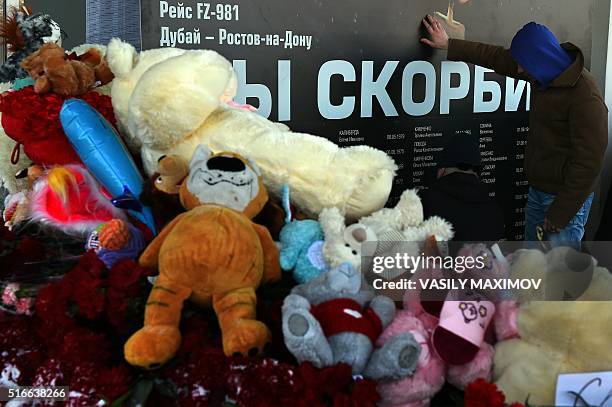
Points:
x=335 y=318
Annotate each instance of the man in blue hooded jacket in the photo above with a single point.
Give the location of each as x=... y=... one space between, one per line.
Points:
x=568 y=123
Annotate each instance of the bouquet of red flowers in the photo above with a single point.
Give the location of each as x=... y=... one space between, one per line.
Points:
x=74 y=338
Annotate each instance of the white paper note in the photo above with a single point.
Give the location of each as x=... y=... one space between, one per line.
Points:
x=584 y=390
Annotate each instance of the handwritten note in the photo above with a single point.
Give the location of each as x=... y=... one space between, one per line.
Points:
x=584 y=390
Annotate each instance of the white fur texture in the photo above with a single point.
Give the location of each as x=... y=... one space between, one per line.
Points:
x=128 y=66
x=404 y=223
x=407 y=212
x=173 y=100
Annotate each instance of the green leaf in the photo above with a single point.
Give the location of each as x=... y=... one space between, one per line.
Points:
x=166 y=388
x=122 y=399
x=140 y=393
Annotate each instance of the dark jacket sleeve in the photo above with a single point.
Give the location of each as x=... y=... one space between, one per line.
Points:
x=493 y=57
x=588 y=122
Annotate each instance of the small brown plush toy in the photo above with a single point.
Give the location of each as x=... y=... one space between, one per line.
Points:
x=213 y=255
x=161 y=191
x=53 y=71
x=94 y=59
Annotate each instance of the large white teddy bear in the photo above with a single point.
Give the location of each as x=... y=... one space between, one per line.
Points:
x=554 y=337
x=169 y=101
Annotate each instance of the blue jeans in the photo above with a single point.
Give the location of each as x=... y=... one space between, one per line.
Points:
x=538 y=203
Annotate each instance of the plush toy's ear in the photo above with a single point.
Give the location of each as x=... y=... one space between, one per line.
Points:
x=172 y=165
x=438 y=227
x=288 y=255
x=357 y=234
x=409 y=208
x=200 y=156
x=332 y=223
x=121 y=57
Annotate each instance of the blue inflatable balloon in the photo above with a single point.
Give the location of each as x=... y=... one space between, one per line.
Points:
x=100 y=148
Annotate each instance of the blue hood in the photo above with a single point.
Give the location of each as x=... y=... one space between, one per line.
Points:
x=537 y=50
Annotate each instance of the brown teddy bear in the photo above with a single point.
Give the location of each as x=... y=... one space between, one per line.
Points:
x=213 y=254
x=161 y=191
x=54 y=71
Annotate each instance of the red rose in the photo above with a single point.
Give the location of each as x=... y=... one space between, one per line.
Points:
x=481 y=393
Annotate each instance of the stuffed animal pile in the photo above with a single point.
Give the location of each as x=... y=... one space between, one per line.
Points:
x=235 y=205
x=193 y=90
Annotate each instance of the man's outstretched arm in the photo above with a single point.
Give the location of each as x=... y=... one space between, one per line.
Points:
x=493 y=57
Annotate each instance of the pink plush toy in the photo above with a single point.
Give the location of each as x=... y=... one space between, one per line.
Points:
x=422 y=319
x=418 y=390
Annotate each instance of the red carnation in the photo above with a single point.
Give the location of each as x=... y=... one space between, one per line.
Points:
x=85 y=285
x=49 y=373
x=126 y=289
x=206 y=368
x=126 y=275
x=481 y=393
x=90 y=297
x=364 y=393
x=263 y=383
x=83 y=386
x=19 y=364
x=52 y=313
x=80 y=346
x=112 y=383
x=326 y=382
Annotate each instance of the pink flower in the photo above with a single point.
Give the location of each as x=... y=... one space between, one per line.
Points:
x=24 y=306
x=9 y=295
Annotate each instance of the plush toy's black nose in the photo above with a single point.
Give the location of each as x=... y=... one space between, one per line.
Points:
x=228 y=164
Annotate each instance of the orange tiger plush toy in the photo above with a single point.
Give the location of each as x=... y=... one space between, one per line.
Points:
x=213 y=255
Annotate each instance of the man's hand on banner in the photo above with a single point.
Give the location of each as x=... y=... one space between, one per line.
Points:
x=439 y=37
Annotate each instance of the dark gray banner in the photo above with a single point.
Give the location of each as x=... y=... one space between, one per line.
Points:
x=355 y=73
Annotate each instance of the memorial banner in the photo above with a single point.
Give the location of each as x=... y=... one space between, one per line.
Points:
x=355 y=73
